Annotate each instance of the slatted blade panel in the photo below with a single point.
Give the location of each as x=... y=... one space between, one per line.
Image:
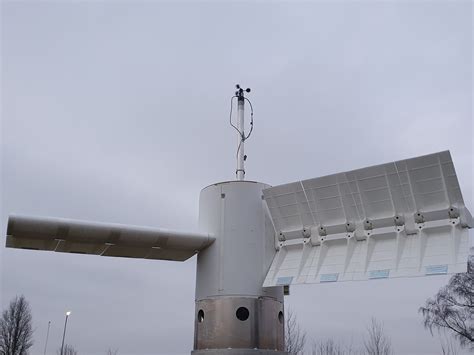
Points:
x=70 y=236
x=400 y=219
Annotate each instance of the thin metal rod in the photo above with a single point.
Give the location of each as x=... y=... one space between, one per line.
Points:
x=240 y=172
x=47 y=336
x=64 y=334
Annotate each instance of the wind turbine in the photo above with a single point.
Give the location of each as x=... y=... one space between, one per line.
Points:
x=400 y=219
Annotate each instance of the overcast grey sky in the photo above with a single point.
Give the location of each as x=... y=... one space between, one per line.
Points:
x=118 y=112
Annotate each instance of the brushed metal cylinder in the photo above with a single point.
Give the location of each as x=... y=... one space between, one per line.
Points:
x=238 y=352
x=239 y=323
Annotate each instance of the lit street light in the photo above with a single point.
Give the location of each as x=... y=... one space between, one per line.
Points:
x=64 y=333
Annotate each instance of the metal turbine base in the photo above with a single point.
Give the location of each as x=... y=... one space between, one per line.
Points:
x=242 y=325
x=238 y=352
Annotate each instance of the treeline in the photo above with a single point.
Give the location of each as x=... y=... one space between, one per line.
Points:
x=450 y=312
x=16 y=331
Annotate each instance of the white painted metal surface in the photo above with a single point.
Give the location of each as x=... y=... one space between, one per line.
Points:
x=231 y=271
x=400 y=219
x=72 y=236
x=236 y=263
x=241 y=139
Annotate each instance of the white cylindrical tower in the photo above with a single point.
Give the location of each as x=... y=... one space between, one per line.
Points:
x=234 y=313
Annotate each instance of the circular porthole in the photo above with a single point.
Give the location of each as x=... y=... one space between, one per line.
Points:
x=200 y=316
x=242 y=313
x=280 y=317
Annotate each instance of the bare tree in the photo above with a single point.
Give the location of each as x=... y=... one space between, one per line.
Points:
x=295 y=337
x=329 y=347
x=16 y=334
x=452 y=308
x=377 y=342
x=68 y=350
x=448 y=346
x=112 y=352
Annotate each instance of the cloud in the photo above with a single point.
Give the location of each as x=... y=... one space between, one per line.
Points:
x=119 y=112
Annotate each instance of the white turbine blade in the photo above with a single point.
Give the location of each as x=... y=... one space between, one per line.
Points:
x=72 y=236
x=400 y=219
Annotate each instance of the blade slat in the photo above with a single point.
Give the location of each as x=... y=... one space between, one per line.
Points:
x=364 y=224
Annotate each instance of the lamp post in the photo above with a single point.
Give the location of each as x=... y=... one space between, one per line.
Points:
x=47 y=336
x=64 y=333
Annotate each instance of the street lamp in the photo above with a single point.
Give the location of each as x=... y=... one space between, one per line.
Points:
x=47 y=336
x=64 y=333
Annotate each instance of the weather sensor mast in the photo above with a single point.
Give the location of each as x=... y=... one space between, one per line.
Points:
x=240 y=128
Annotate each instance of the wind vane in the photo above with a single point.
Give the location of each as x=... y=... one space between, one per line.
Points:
x=401 y=219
